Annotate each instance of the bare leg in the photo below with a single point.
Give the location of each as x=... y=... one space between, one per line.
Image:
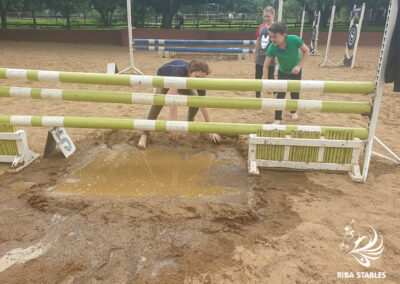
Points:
x=142 y=142
x=152 y=114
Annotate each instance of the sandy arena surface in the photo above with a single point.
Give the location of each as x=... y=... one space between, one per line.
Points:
x=282 y=227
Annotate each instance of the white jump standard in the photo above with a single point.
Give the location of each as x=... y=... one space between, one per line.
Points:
x=315 y=33
x=131 y=57
x=354 y=36
x=303 y=15
x=14 y=147
x=328 y=44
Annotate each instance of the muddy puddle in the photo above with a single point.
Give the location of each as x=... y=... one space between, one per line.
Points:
x=127 y=172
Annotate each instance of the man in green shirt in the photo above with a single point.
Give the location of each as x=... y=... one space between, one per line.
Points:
x=287 y=49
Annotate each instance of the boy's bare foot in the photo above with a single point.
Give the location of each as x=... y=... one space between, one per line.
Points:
x=142 y=142
x=295 y=116
x=277 y=122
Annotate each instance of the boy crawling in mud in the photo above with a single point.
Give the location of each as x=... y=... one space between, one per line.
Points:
x=180 y=68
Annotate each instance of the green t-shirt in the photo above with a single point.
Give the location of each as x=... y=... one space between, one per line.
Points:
x=289 y=57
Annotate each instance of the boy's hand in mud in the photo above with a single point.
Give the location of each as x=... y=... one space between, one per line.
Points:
x=216 y=138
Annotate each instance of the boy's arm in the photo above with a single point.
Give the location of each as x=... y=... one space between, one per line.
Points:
x=173 y=110
x=306 y=52
x=213 y=136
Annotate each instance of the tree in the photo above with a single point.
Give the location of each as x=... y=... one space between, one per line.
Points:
x=106 y=9
x=5 y=5
x=325 y=6
x=168 y=8
x=139 y=12
x=66 y=7
x=320 y=5
x=33 y=6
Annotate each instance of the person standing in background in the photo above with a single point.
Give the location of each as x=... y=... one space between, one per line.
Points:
x=180 y=21
x=262 y=44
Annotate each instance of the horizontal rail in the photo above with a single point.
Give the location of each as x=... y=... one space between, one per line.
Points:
x=304 y=165
x=195 y=49
x=163 y=125
x=180 y=41
x=356 y=144
x=190 y=101
x=349 y=87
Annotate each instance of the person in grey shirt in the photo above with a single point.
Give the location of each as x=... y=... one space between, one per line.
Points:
x=262 y=45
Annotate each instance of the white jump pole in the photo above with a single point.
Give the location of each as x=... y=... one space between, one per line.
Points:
x=380 y=82
x=302 y=22
x=132 y=62
x=328 y=44
x=314 y=45
x=358 y=35
x=280 y=10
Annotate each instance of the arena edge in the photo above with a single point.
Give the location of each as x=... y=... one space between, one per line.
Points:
x=121 y=37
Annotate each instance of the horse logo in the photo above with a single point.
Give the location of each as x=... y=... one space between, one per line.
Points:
x=364 y=249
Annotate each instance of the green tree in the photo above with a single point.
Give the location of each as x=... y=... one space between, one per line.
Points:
x=5 y=6
x=168 y=8
x=320 y=5
x=33 y=6
x=243 y=6
x=106 y=9
x=140 y=12
x=66 y=7
x=325 y=6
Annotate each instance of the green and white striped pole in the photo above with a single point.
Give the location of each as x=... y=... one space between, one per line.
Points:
x=349 y=87
x=163 y=125
x=190 y=101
